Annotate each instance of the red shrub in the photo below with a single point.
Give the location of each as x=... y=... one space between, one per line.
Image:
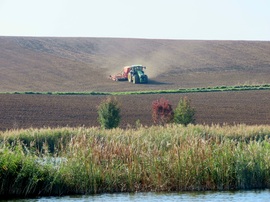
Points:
x=162 y=111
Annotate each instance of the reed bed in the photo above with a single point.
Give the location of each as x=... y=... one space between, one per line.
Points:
x=64 y=161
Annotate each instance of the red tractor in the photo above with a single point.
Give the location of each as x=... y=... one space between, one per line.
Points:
x=132 y=73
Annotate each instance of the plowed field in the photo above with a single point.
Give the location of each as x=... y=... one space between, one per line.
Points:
x=24 y=111
x=83 y=65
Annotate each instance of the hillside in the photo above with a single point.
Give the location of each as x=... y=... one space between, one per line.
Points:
x=83 y=64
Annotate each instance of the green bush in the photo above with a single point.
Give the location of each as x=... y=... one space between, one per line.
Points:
x=184 y=113
x=109 y=113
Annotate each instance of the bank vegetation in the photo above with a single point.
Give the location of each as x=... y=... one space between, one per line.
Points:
x=61 y=161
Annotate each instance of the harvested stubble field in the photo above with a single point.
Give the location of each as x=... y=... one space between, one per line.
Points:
x=83 y=65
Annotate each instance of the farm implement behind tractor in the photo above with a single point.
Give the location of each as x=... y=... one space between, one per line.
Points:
x=132 y=73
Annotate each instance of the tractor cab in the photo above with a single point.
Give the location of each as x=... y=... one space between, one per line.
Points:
x=137 y=67
x=136 y=74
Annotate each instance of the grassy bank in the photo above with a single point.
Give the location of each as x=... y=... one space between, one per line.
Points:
x=171 y=158
x=181 y=90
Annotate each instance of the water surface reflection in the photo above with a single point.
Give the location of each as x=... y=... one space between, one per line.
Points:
x=246 y=196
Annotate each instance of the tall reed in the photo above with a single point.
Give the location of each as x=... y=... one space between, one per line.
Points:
x=170 y=158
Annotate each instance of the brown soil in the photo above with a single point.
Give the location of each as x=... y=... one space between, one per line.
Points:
x=23 y=111
x=83 y=64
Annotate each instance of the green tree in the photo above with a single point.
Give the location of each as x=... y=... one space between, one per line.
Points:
x=184 y=113
x=109 y=113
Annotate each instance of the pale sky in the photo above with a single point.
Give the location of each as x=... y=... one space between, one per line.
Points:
x=159 y=19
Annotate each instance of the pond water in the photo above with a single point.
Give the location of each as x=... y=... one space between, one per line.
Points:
x=246 y=196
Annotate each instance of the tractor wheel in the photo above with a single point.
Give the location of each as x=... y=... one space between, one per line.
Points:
x=146 y=79
x=129 y=78
x=135 y=79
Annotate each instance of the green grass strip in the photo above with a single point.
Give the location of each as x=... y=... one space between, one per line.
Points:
x=180 y=90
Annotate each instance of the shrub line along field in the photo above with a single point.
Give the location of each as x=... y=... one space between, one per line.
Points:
x=186 y=90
